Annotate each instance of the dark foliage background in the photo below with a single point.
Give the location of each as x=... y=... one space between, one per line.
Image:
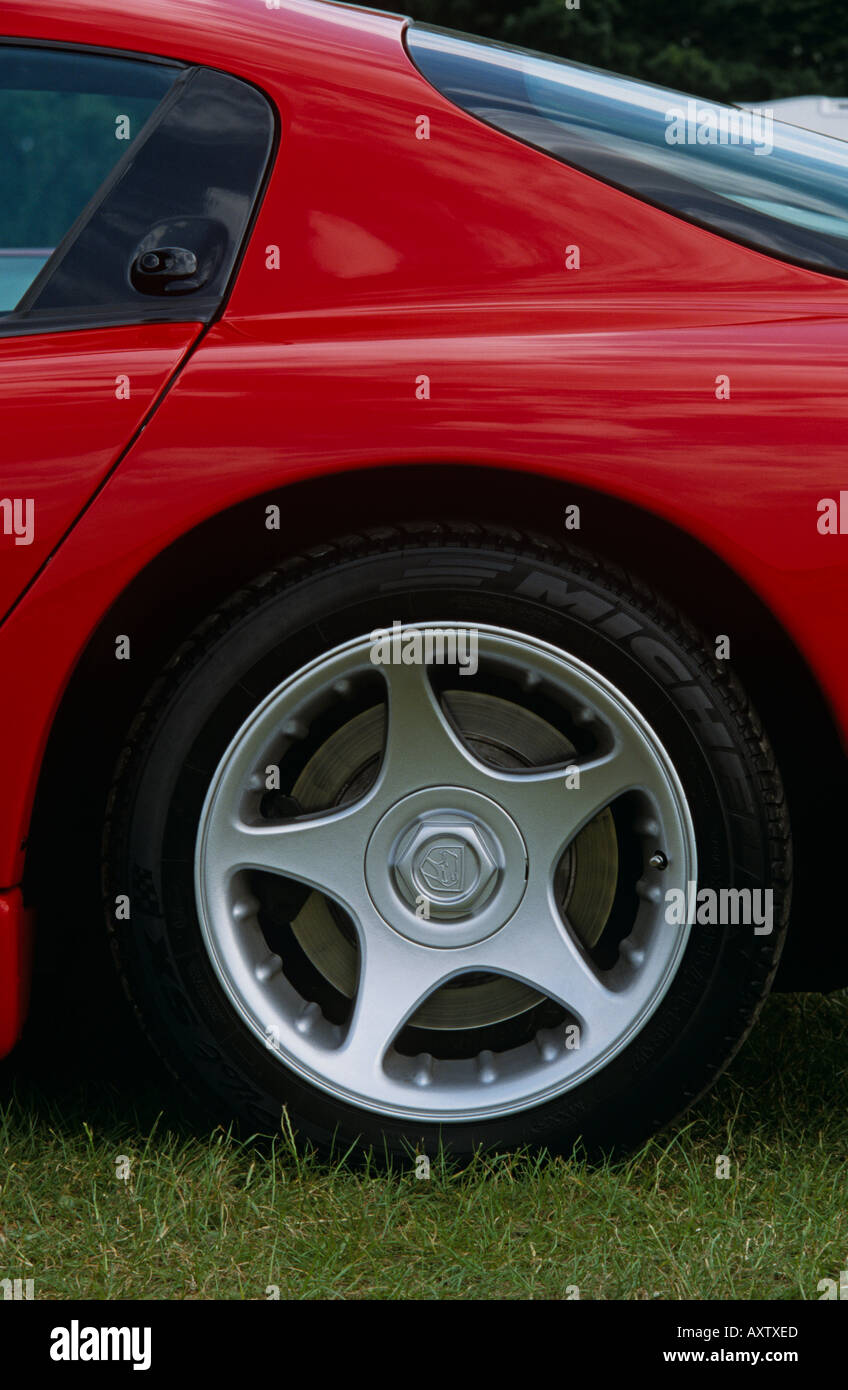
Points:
x=731 y=50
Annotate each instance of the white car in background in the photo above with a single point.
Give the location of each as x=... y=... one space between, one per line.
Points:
x=827 y=115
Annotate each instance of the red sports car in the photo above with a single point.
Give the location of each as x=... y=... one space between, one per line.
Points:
x=423 y=563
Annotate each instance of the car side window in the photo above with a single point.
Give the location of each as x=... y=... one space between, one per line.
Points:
x=130 y=190
x=66 y=120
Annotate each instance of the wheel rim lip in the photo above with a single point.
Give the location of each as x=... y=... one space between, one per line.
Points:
x=357 y=648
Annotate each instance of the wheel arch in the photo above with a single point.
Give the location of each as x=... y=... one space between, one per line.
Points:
x=166 y=600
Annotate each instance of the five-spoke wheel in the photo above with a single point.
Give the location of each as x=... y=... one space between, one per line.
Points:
x=411 y=898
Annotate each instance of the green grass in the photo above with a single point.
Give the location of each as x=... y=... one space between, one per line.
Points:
x=208 y=1216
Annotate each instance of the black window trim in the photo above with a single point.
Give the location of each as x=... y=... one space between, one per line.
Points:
x=156 y=311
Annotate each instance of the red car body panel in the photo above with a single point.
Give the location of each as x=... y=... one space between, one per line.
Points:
x=70 y=403
x=377 y=259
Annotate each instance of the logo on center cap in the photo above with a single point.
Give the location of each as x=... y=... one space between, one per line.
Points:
x=445 y=868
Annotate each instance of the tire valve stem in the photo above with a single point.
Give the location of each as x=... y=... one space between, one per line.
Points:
x=658 y=860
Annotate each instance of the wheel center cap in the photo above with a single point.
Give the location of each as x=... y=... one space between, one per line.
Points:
x=443 y=868
x=446 y=866
x=447 y=863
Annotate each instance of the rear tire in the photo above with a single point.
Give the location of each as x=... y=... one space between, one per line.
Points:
x=254 y=985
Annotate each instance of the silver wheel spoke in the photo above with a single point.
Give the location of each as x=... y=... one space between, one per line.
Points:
x=551 y=813
x=537 y=948
x=421 y=747
x=319 y=850
x=394 y=978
